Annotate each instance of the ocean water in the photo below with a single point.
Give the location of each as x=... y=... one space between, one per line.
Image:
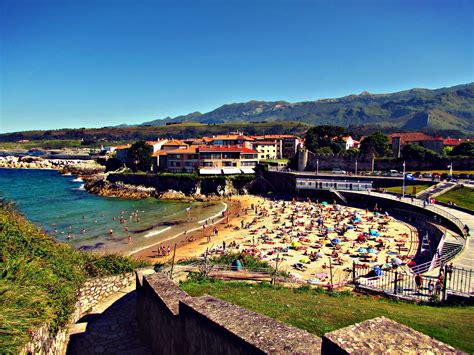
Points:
x=60 y=205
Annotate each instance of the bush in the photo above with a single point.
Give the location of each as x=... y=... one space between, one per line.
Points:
x=39 y=278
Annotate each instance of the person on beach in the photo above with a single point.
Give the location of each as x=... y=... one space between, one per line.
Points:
x=238 y=264
x=418 y=282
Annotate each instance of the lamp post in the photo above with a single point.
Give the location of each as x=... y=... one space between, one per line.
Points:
x=356 y=167
x=450 y=171
x=403 y=179
x=317 y=166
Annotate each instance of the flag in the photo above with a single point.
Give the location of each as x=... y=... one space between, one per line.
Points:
x=409 y=177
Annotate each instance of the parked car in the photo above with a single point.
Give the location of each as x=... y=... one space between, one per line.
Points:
x=338 y=171
x=427 y=175
x=395 y=173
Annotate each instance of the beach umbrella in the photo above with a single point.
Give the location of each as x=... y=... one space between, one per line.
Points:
x=397 y=261
x=335 y=240
x=324 y=203
x=304 y=260
x=362 y=250
x=295 y=244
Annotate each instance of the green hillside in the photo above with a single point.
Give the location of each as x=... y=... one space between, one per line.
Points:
x=417 y=109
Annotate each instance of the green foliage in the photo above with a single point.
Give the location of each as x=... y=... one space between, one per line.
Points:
x=414 y=152
x=250 y=261
x=376 y=143
x=464 y=149
x=325 y=137
x=40 y=277
x=139 y=156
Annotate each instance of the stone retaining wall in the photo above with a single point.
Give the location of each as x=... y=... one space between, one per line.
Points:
x=172 y=322
x=92 y=292
x=381 y=336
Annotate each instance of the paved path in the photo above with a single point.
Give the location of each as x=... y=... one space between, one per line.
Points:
x=110 y=328
x=463 y=260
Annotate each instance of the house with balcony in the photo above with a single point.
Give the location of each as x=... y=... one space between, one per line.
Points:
x=286 y=144
x=266 y=149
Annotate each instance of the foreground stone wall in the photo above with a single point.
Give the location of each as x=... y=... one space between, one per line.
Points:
x=172 y=322
x=92 y=292
x=381 y=336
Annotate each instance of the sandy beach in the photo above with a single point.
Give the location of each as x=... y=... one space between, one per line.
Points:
x=307 y=237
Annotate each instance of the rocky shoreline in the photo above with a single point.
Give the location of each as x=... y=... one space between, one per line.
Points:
x=106 y=188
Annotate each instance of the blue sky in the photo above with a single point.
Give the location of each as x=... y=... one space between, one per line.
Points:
x=82 y=63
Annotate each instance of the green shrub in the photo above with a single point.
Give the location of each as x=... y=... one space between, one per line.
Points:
x=39 y=278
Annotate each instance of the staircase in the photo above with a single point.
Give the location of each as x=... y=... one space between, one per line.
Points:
x=338 y=194
x=436 y=190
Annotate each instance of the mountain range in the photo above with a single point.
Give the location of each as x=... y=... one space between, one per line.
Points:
x=449 y=108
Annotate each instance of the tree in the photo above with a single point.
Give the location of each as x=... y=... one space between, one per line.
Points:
x=325 y=136
x=415 y=152
x=465 y=149
x=139 y=156
x=375 y=143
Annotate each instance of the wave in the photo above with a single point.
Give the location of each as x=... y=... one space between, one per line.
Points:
x=82 y=187
x=153 y=233
x=78 y=180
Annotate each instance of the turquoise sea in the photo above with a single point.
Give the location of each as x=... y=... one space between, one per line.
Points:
x=60 y=205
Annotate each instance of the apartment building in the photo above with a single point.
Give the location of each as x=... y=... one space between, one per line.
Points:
x=266 y=149
x=231 y=140
x=286 y=144
x=212 y=159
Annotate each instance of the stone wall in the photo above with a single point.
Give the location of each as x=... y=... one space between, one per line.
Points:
x=189 y=185
x=381 y=336
x=328 y=162
x=92 y=292
x=172 y=322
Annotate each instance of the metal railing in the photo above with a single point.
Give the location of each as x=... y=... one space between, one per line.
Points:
x=403 y=283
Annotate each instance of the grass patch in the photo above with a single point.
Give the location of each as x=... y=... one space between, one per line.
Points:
x=320 y=312
x=462 y=196
x=409 y=189
x=39 y=278
x=46 y=144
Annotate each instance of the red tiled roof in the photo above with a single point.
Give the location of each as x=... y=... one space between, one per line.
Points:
x=230 y=148
x=155 y=142
x=275 y=136
x=124 y=146
x=412 y=137
x=452 y=142
x=174 y=142
x=230 y=137
x=264 y=142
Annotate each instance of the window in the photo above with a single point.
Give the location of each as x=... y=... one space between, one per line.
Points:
x=248 y=163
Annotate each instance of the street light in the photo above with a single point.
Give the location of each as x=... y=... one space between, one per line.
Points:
x=356 y=168
x=403 y=179
x=317 y=166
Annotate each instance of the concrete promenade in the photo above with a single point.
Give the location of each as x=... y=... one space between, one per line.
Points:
x=466 y=258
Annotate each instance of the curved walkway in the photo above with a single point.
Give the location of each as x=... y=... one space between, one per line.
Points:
x=463 y=260
x=110 y=328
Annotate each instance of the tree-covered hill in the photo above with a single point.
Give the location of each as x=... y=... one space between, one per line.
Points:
x=417 y=109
